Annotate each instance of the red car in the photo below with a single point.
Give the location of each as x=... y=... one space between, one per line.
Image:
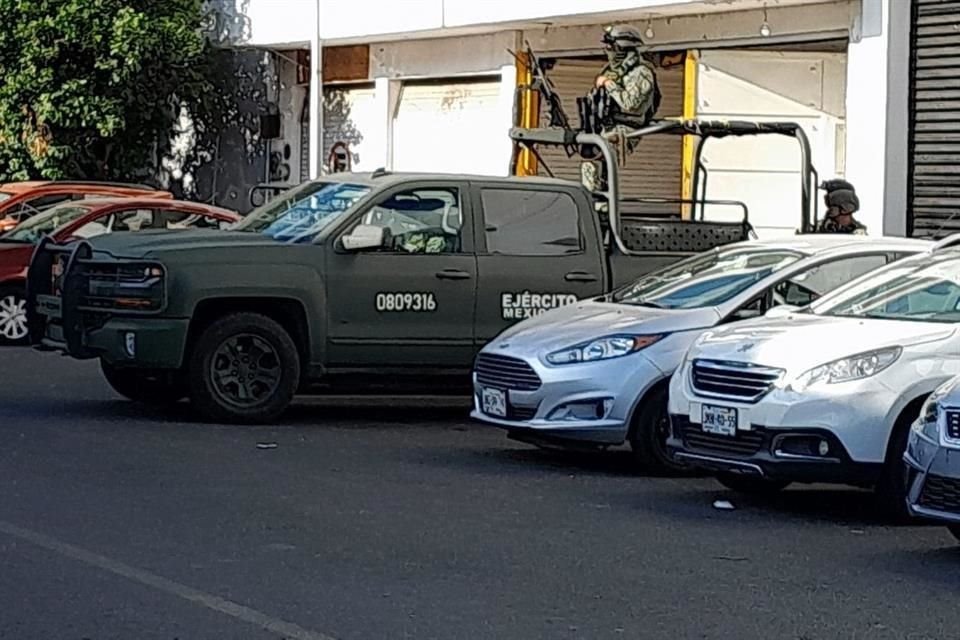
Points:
x=22 y=200
x=84 y=219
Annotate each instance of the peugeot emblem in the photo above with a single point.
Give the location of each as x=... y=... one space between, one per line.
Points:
x=746 y=347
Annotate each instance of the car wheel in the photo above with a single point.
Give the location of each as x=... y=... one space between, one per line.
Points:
x=752 y=485
x=13 y=317
x=153 y=387
x=649 y=433
x=955 y=530
x=891 y=490
x=244 y=369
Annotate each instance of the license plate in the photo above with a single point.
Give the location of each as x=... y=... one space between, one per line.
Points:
x=719 y=420
x=494 y=402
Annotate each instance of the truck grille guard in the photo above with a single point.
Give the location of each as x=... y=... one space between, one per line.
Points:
x=40 y=282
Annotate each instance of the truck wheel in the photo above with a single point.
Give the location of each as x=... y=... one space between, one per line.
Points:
x=649 y=432
x=244 y=369
x=13 y=316
x=157 y=388
x=751 y=485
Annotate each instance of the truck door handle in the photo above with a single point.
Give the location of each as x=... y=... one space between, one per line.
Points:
x=580 y=276
x=453 y=274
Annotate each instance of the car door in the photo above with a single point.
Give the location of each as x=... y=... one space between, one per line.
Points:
x=803 y=287
x=535 y=253
x=409 y=303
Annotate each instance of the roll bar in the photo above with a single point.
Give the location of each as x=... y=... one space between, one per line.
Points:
x=703 y=129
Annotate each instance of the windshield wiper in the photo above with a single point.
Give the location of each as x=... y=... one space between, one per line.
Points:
x=648 y=303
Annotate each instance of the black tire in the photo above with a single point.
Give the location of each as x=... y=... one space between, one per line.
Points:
x=955 y=530
x=752 y=485
x=13 y=318
x=891 y=491
x=152 y=387
x=220 y=377
x=648 y=435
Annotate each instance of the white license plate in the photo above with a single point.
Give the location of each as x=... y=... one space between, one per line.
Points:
x=719 y=420
x=493 y=402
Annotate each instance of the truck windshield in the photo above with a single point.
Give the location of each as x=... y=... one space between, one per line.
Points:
x=925 y=289
x=300 y=214
x=43 y=223
x=706 y=279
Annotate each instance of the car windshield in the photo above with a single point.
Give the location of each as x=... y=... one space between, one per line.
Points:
x=32 y=229
x=302 y=213
x=706 y=279
x=925 y=288
x=5 y=196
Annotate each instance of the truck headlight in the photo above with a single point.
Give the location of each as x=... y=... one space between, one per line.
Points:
x=603 y=348
x=855 y=367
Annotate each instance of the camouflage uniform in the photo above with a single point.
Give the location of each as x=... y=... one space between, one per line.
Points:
x=632 y=86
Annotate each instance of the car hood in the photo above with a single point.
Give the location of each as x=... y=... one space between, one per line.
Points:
x=802 y=341
x=587 y=320
x=143 y=244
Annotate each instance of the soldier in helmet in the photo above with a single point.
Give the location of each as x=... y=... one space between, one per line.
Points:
x=841 y=202
x=630 y=80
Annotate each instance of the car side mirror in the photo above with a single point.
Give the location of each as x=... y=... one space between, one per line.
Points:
x=364 y=236
x=781 y=311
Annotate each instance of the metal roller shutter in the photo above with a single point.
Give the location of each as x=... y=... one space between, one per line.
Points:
x=350 y=115
x=934 y=184
x=654 y=168
x=455 y=126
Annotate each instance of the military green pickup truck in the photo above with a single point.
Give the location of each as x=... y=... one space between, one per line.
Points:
x=353 y=282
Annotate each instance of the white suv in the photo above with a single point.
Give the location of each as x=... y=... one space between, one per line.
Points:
x=826 y=393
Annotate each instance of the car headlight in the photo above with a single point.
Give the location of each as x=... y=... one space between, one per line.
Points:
x=856 y=367
x=603 y=348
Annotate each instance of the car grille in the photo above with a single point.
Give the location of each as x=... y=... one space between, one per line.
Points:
x=745 y=443
x=521 y=413
x=732 y=380
x=953 y=424
x=504 y=372
x=941 y=494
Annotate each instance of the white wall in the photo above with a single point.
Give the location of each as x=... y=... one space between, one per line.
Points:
x=263 y=23
x=867 y=93
x=764 y=171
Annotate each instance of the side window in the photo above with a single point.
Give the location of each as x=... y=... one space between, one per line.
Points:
x=522 y=222
x=419 y=221
x=132 y=220
x=182 y=220
x=803 y=288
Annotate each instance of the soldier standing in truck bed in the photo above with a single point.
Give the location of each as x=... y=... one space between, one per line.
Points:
x=630 y=80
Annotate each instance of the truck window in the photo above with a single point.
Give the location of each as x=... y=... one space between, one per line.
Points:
x=523 y=222
x=426 y=220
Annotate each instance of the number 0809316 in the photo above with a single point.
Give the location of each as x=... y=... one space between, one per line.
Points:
x=419 y=302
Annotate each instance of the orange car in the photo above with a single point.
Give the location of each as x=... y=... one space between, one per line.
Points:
x=21 y=200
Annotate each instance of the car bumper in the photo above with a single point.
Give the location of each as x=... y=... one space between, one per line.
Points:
x=933 y=477
x=142 y=342
x=533 y=415
x=837 y=436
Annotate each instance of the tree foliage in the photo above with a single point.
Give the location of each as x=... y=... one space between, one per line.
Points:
x=95 y=88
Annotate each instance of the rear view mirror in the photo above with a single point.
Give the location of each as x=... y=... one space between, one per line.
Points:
x=781 y=311
x=364 y=236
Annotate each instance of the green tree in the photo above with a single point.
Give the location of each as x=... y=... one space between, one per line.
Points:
x=94 y=88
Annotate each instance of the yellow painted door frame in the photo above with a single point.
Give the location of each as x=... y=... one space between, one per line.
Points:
x=529 y=113
x=690 y=68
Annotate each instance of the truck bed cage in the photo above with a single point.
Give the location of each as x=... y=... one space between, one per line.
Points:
x=703 y=129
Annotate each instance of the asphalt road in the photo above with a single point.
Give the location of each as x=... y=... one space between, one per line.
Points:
x=407 y=521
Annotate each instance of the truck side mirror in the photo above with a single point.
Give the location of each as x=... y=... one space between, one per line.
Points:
x=364 y=236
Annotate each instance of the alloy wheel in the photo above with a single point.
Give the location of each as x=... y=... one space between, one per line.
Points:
x=245 y=370
x=13 y=317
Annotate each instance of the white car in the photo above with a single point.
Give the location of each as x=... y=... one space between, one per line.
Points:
x=826 y=393
x=595 y=373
